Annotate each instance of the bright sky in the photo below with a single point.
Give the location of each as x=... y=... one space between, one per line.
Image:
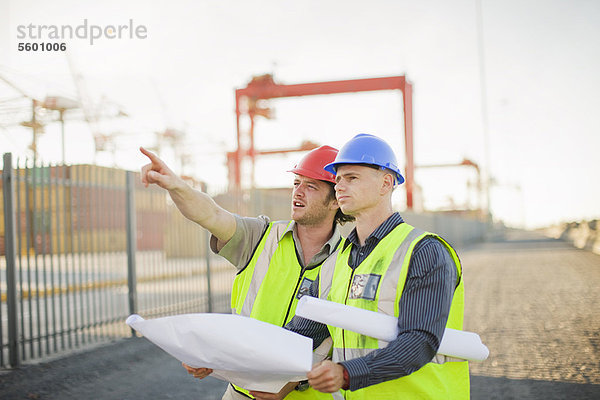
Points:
x=541 y=60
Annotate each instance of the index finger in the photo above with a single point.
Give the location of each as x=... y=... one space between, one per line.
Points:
x=153 y=157
x=188 y=367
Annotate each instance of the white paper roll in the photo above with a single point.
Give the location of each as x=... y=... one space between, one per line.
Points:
x=455 y=343
x=247 y=352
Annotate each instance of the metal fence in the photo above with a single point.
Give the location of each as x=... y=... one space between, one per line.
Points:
x=83 y=247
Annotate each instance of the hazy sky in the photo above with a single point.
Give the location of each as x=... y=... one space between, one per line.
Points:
x=541 y=60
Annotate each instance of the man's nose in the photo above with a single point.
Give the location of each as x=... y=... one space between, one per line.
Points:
x=299 y=191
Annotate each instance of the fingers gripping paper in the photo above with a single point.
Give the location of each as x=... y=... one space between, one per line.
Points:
x=249 y=353
x=455 y=343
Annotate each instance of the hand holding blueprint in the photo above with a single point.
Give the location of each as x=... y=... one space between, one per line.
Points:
x=455 y=343
x=249 y=353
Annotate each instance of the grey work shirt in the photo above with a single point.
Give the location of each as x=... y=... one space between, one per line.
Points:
x=248 y=233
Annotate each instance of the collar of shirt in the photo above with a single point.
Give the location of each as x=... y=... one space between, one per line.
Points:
x=379 y=233
x=327 y=248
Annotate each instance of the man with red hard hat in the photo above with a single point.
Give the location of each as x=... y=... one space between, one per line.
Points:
x=277 y=260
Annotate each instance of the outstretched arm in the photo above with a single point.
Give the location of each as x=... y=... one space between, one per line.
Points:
x=193 y=204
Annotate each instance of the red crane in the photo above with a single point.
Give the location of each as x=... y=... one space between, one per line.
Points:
x=264 y=87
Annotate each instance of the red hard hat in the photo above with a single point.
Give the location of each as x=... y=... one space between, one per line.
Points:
x=311 y=165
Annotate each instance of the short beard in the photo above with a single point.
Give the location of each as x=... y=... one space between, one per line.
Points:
x=316 y=216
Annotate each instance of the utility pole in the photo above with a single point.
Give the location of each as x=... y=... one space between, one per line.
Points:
x=36 y=127
x=60 y=104
x=484 y=110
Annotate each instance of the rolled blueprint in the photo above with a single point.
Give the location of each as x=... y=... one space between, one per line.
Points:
x=455 y=343
x=247 y=352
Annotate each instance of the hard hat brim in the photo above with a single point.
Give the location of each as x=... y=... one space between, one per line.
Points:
x=325 y=177
x=331 y=168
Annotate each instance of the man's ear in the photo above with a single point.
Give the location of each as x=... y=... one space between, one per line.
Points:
x=387 y=184
x=333 y=204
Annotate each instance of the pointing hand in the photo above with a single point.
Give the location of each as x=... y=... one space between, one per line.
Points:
x=157 y=172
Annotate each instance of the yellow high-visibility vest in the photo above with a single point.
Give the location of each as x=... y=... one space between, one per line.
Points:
x=269 y=287
x=376 y=285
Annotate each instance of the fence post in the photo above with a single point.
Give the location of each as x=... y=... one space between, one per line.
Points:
x=10 y=250
x=131 y=243
x=207 y=259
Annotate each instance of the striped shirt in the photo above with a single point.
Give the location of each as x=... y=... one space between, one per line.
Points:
x=424 y=308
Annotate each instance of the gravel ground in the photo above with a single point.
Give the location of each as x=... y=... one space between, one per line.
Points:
x=128 y=369
x=533 y=301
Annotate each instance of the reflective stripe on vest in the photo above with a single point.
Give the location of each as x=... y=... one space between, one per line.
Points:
x=267 y=289
x=247 y=282
x=377 y=285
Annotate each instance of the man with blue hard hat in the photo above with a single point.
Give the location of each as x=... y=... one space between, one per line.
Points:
x=387 y=266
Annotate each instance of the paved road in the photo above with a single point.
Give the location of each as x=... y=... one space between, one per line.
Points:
x=533 y=300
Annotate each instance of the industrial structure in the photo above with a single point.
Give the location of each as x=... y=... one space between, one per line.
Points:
x=250 y=102
x=27 y=110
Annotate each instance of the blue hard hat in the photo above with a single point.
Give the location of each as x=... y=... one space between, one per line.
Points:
x=367 y=149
